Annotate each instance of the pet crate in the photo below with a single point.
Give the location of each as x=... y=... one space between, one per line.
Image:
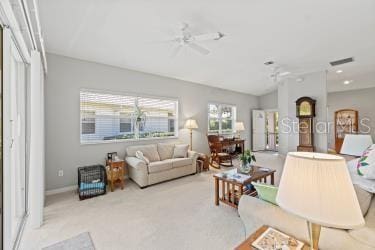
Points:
x=92 y=181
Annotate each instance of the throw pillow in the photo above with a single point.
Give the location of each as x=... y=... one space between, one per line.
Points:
x=266 y=192
x=366 y=164
x=180 y=151
x=140 y=156
x=165 y=151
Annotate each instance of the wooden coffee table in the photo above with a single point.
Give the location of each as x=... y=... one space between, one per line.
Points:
x=232 y=189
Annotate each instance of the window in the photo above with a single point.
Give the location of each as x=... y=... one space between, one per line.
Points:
x=221 y=118
x=114 y=117
x=88 y=122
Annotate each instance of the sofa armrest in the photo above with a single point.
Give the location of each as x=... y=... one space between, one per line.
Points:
x=136 y=163
x=255 y=213
x=138 y=171
x=193 y=154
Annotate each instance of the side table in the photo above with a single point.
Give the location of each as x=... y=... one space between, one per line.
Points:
x=247 y=244
x=203 y=163
x=116 y=173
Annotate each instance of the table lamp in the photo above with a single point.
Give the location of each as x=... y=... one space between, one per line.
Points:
x=239 y=127
x=318 y=188
x=355 y=144
x=191 y=124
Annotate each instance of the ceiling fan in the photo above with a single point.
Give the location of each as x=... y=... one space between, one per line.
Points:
x=278 y=73
x=187 y=39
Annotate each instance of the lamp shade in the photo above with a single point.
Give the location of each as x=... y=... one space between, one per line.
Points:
x=239 y=126
x=355 y=144
x=318 y=188
x=191 y=124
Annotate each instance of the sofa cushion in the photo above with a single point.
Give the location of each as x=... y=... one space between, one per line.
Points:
x=159 y=166
x=180 y=151
x=165 y=151
x=140 y=156
x=364 y=199
x=181 y=162
x=149 y=151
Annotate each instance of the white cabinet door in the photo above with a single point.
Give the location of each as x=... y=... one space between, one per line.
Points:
x=259 y=130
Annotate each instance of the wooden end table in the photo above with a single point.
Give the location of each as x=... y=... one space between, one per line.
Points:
x=203 y=163
x=116 y=173
x=246 y=245
x=232 y=190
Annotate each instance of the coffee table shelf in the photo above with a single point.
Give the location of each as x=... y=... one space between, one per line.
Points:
x=232 y=189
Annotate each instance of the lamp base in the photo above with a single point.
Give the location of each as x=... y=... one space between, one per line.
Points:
x=314 y=233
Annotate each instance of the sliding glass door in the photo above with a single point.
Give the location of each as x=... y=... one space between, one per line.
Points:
x=14 y=133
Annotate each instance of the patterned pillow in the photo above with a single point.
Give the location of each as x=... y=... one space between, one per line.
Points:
x=366 y=163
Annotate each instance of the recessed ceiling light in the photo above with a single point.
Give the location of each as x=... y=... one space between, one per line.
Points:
x=339 y=71
x=346 y=82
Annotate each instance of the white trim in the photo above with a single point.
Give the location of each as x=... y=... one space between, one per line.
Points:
x=66 y=189
x=60 y=190
x=8 y=19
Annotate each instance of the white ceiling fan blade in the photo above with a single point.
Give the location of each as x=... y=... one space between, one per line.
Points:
x=209 y=36
x=176 y=50
x=285 y=73
x=198 y=48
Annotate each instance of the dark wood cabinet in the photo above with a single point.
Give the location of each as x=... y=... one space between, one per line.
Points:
x=346 y=122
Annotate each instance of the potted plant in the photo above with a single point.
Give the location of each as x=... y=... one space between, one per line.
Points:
x=140 y=117
x=245 y=161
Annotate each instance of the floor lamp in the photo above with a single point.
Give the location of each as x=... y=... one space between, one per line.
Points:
x=318 y=188
x=191 y=124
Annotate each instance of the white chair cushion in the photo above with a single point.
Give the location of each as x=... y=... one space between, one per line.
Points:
x=165 y=150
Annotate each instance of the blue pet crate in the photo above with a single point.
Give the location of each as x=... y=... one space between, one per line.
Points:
x=92 y=181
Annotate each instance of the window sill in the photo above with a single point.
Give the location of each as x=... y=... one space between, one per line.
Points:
x=128 y=140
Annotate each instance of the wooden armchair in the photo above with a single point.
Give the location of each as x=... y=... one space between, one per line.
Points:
x=219 y=153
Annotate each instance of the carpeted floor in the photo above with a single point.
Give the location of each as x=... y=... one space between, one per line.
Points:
x=178 y=214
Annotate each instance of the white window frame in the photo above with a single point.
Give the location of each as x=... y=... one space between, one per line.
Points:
x=137 y=96
x=234 y=118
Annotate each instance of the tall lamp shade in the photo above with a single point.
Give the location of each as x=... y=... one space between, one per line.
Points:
x=191 y=124
x=355 y=144
x=318 y=188
x=238 y=126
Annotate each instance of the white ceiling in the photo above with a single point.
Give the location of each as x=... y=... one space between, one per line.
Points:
x=301 y=35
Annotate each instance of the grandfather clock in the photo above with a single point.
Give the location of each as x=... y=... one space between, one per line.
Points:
x=306 y=113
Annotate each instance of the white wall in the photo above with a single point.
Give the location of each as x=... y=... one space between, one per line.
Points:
x=268 y=101
x=314 y=86
x=362 y=100
x=65 y=78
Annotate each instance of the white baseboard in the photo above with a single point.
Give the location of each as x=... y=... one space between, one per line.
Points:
x=66 y=189
x=61 y=190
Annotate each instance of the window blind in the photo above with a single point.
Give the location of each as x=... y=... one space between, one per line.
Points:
x=113 y=117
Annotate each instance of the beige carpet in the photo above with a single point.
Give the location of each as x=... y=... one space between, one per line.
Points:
x=179 y=214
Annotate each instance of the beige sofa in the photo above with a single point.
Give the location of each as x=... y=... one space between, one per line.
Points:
x=255 y=213
x=162 y=167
